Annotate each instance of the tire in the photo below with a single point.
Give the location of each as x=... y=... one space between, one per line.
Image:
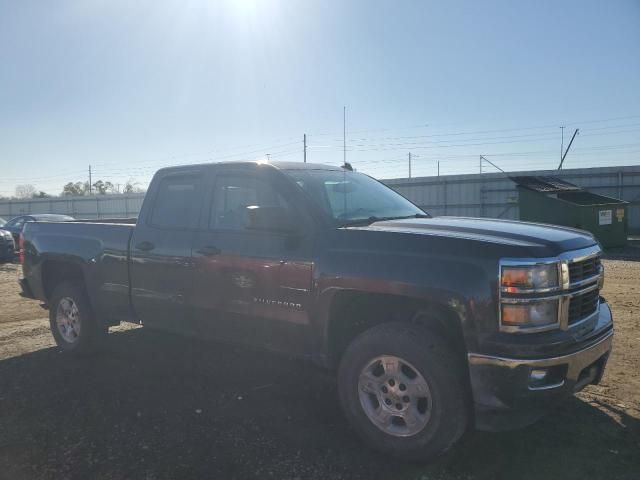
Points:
x=437 y=416
x=73 y=324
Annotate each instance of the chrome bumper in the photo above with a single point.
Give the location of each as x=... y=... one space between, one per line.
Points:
x=576 y=362
x=506 y=394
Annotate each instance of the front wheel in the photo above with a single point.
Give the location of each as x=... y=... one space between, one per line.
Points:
x=73 y=325
x=403 y=389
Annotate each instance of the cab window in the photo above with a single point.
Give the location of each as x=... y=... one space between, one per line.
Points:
x=234 y=194
x=176 y=203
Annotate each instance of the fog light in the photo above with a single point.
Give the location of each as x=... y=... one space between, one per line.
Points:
x=538 y=375
x=545 y=378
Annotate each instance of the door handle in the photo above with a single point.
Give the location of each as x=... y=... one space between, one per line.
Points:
x=209 y=251
x=145 y=246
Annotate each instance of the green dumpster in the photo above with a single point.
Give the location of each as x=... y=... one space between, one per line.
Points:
x=551 y=200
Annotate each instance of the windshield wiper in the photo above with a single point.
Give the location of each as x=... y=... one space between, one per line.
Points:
x=373 y=219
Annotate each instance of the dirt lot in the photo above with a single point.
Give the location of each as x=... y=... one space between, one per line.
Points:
x=15 y=308
x=157 y=406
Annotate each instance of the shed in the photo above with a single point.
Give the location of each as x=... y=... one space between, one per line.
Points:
x=552 y=200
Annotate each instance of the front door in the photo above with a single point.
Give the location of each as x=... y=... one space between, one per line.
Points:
x=251 y=286
x=161 y=263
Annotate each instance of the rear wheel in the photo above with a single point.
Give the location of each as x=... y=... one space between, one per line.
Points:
x=73 y=325
x=404 y=391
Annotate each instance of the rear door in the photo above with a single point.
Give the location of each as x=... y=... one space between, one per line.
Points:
x=252 y=286
x=161 y=261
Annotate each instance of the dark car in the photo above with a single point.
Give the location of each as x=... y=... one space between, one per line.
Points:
x=7 y=246
x=16 y=224
x=431 y=324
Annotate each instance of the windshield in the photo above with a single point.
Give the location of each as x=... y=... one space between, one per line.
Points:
x=350 y=197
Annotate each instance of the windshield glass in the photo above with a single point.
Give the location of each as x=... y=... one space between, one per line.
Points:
x=351 y=197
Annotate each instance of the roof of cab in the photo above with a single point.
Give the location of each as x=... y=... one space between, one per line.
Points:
x=277 y=165
x=49 y=216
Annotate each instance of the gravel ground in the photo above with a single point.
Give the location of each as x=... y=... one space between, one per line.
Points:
x=157 y=406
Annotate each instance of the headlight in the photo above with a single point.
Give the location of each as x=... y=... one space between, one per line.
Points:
x=5 y=233
x=536 y=314
x=533 y=277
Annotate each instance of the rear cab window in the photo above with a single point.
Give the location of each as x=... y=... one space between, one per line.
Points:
x=177 y=202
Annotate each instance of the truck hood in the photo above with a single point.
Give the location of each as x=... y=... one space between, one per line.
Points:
x=491 y=230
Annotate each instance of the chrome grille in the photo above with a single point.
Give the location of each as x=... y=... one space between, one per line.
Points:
x=584 y=269
x=581 y=306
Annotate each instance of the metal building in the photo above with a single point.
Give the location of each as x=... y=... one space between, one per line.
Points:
x=88 y=207
x=495 y=194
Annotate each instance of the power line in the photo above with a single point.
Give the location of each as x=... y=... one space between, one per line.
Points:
x=431 y=125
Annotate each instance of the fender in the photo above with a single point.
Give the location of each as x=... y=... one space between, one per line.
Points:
x=78 y=251
x=456 y=283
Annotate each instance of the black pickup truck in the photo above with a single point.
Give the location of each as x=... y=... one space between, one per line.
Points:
x=434 y=325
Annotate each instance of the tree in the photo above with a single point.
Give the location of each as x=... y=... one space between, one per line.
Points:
x=41 y=194
x=77 y=188
x=132 y=187
x=103 y=187
x=25 y=191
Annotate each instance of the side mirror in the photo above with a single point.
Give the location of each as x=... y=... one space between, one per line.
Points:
x=272 y=219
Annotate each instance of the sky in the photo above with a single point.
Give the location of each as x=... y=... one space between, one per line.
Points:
x=128 y=87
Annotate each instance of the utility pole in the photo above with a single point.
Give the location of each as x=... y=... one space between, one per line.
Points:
x=438 y=167
x=480 y=164
x=409 y=164
x=268 y=157
x=305 y=147
x=90 y=188
x=562 y=142
x=568 y=147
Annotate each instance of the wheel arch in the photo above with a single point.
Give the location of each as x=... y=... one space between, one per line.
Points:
x=54 y=272
x=352 y=312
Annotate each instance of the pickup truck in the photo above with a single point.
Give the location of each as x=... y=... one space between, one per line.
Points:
x=433 y=325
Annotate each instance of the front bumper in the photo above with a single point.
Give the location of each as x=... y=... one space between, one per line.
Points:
x=505 y=396
x=6 y=249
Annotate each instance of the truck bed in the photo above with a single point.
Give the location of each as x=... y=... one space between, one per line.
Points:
x=98 y=252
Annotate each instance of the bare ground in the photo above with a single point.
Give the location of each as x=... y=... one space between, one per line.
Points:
x=14 y=308
x=159 y=406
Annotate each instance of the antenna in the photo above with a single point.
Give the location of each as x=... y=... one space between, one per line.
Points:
x=344 y=135
x=346 y=166
x=561 y=142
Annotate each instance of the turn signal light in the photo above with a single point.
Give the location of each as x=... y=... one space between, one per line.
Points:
x=529 y=277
